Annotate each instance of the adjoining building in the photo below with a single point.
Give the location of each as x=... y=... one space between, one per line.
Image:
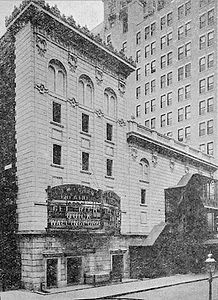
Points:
x=174 y=45
x=88 y=184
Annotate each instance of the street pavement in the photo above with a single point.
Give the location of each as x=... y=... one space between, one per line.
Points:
x=124 y=289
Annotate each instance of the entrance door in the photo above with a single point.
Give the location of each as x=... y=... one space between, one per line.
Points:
x=74 y=266
x=117 y=266
x=52 y=265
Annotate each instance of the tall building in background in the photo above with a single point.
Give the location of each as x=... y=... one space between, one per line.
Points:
x=174 y=88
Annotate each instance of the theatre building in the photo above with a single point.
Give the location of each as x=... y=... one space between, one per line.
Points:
x=90 y=182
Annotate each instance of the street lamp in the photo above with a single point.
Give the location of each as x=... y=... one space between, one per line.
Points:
x=210 y=265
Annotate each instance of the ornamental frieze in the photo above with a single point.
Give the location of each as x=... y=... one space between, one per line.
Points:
x=72 y=62
x=121 y=122
x=41 y=45
x=41 y=88
x=99 y=113
x=73 y=102
x=98 y=75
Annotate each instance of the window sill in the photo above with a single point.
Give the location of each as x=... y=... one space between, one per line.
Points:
x=143 y=181
x=57 y=166
x=85 y=172
x=143 y=205
x=85 y=133
x=109 y=142
x=109 y=177
x=57 y=124
x=57 y=96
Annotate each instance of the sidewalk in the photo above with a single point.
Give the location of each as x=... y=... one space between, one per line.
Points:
x=118 y=289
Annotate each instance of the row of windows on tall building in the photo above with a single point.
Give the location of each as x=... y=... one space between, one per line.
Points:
x=85 y=160
x=57 y=84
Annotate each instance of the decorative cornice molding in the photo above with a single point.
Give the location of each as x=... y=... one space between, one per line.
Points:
x=98 y=75
x=99 y=113
x=41 y=45
x=72 y=62
x=73 y=102
x=121 y=122
x=41 y=88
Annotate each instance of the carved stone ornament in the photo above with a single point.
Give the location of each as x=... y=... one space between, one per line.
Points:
x=121 y=122
x=99 y=113
x=98 y=75
x=172 y=163
x=41 y=45
x=121 y=86
x=41 y=88
x=154 y=159
x=72 y=61
x=73 y=102
x=133 y=153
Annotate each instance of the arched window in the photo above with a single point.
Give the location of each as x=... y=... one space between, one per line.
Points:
x=144 y=170
x=110 y=102
x=57 y=77
x=85 y=91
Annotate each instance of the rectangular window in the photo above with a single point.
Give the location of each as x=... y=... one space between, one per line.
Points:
x=202 y=107
x=202 y=42
x=210 y=148
x=180 y=94
x=163 y=61
x=138 y=92
x=153 y=123
x=147 y=123
x=180 y=12
x=108 y=39
x=109 y=132
x=163 y=81
x=210 y=17
x=153 y=28
x=180 y=114
x=85 y=161
x=210 y=60
x=162 y=22
x=56 y=112
x=202 y=21
x=147 y=88
x=162 y=120
x=210 y=127
x=187 y=112
x=210 y=83
x=56 y=154
x=163 y=42
x=187 y=49
x=153 y=105
x=188 y=70
x=202 y=148
x=180 y=134
x=124 y=47
x=138 y=56
x=202 y=64
x=147 y=69
x=169 y=58
x=187 y=28
x=169 y=78
x=180 y=73
x=147 y=32
x=210 y=38
x=180 y=32
x=143 y=196
x=181 y=52
x=125 y=23
x=138 y=111
x=169 y=98
x=169 y=118
x=153 y=66
x=163 y=101
x=202 y=86
x=109 y=167
x=169 y=39
x=85 y=123
x=146 y=107
x=187 y=133
x=210 y=104
x=202 y=129
x=188 y=91
x=138 y=38
x=169 y=19
x=138 y=74
x=188 y=8
x=147 y=51
x=153 y=48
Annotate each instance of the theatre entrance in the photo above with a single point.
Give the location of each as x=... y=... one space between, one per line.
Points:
x=74 y=270
x=52 y=267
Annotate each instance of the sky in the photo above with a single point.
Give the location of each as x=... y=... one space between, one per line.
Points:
x=85 y=12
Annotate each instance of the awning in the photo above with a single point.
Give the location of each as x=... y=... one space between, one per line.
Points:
x=150 y=239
